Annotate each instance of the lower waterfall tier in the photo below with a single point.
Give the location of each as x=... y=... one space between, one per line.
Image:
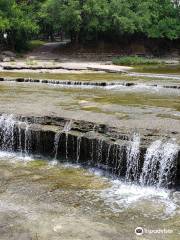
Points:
x=125 y=155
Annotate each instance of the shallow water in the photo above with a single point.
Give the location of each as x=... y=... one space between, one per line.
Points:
x=118 y=105
x=160 y=69
x=134 y=75
x=45 y=200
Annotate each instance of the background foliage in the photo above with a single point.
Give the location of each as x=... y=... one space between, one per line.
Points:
x=88 y=20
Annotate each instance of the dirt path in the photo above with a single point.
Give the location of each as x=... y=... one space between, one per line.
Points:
x=48 y=51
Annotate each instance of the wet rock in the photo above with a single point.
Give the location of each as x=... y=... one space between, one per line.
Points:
x=8 y=59
x=79 y=83
x=129 y=84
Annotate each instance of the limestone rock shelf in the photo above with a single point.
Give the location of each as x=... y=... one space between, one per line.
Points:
x=82 y=142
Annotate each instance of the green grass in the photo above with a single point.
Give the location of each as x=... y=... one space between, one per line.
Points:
x=33 y=44
x=135 y=60
x=159 y=69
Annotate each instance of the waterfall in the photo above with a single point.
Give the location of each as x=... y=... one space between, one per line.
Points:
x=132 y=164
x=157 y=168
x=108 y=156
x=92 y=151
x=66 y=145
x=149 y=173
x=159 y=164
x=67 y=126
x=118 y=160
x=168 y=164
x=78 y=151
x=7 y=125
x=27 y=140
x=8 y=128
x=56 y=144
x=20 y=137
x=66 y=129
x=99 y=150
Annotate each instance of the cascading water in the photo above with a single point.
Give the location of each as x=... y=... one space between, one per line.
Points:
x=117 y=160
x=8 y=127
x=66 y=129
x=92 y=152
x=7 y=124
x=67 y=126
x=78 y=152
x=151 y=164
x=20 y=137
x=108 y=156
x=56 y=143
x=159 y=161
x=66 y=145
x=28 y=142
x=99 y=150
x=133 y=153
x=159 y=164
x=168 y=164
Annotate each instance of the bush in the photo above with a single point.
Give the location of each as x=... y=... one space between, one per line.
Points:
x=134 y=60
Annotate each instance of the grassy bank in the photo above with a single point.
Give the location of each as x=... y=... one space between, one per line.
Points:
x=33 y=44
x=135 y=60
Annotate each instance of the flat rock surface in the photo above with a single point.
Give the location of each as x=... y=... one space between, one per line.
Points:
x=63 y=67
x=129 y=107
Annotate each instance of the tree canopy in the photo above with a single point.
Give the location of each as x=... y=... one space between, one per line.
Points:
x=89 y=20
x=17 y=20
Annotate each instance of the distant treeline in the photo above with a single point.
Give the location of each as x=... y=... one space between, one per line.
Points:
x=88 y=20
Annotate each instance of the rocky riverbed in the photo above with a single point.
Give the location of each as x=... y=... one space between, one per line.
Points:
x=88 y=154
x=42 y=201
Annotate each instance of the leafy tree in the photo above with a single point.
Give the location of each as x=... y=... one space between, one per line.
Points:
x=84 y=20
x=96 y=18
x=50 y=17
x=165 y=20
x=71 y=18
x=15 y=21
x=59 y=15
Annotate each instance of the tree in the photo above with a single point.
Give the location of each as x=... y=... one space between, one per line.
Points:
x=15 y=21
x=153 y=18
x=56 y=15
x=84 y=20
x=50 y=17
x=71 y=18
x=165 y=20
x=96 y=18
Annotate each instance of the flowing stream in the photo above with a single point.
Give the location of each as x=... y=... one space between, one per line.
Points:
x=39 y=200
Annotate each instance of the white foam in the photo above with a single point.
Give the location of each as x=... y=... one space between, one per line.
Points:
x=162 y=154
x=122 y=196
x=71 y=165
x=14 y=157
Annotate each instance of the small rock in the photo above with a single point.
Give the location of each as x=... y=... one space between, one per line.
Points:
x=57 y=228
x=9 y=54
x=8 y=59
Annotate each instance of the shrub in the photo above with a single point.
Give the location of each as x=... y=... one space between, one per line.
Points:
x=134 y=60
